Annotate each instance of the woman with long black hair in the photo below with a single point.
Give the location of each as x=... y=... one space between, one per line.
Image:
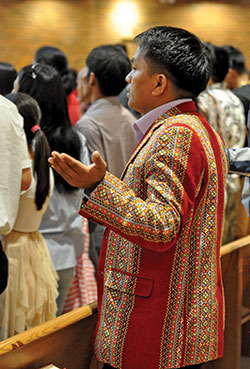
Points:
x=61 y=225
x=30 y=297
x=56 y=58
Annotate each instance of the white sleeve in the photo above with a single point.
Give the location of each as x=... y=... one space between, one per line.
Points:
x=13 y=158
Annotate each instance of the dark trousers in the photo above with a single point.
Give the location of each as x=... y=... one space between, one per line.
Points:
x=3 y=269
x=107 y=366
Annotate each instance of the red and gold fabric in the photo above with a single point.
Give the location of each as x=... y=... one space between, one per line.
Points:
x=160 y=293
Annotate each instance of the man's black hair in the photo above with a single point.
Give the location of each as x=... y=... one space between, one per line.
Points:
x=110 y=64
x=236 y=59
x=220 y=64
x=178 y=54
x=8 y=75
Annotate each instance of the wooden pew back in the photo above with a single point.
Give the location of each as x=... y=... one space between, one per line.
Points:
x=65 y=341
x=235 y=262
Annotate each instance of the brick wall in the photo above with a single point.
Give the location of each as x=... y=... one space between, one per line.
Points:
x=77 y=26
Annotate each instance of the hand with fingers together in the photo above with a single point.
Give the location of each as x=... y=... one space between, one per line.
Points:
x=76 y=173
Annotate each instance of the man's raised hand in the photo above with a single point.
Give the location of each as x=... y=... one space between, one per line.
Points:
x=76 y=173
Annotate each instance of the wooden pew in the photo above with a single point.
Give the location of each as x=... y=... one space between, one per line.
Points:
x=235 y=261
x=65 y=341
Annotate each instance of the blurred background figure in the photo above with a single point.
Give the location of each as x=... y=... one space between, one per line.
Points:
x=57 y=59
x=237 y=78
x=61 y=225
x=237 y=74
x=225 y=113
x=8 y=75
x=106 y=124
x=15 y=174
x=30 y=297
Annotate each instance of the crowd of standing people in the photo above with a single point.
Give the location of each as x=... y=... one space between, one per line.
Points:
x=151 y=181
x=51 y=99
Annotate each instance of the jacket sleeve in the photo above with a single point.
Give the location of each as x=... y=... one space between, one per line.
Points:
x=169 y=173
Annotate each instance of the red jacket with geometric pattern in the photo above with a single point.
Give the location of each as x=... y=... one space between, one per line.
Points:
x=160 y=293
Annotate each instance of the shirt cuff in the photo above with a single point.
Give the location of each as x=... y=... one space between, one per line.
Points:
x=87 y=193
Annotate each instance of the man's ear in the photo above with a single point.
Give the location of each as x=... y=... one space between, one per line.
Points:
x=161 y=84
x=231 y=79
x=232 y=72
x=92 y=79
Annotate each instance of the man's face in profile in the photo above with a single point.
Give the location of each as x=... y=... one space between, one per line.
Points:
x=83 y=87
x=140 y=84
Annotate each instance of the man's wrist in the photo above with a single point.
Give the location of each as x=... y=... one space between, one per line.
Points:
x=92 y=188
x=87 y=191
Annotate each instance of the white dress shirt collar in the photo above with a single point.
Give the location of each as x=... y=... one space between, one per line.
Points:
x=143 y=124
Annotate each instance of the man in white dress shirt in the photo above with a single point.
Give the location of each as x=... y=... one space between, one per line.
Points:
x=14 y=173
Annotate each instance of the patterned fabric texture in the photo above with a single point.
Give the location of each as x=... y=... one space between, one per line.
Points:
x=225 y=112
x=84 y=289
x=240 y=163
x=160 y=294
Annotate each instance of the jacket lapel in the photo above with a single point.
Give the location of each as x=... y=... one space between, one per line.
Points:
x=179 y=109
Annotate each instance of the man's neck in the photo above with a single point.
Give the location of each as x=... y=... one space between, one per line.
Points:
x=96 y=95
x=243 y=80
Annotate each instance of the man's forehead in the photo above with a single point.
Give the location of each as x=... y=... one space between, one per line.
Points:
x=137 y=55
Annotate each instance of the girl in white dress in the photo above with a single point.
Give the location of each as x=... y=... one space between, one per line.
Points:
x=61 y=225
x=30 y=297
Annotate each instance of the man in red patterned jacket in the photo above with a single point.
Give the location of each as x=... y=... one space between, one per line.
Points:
x=160 y=293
